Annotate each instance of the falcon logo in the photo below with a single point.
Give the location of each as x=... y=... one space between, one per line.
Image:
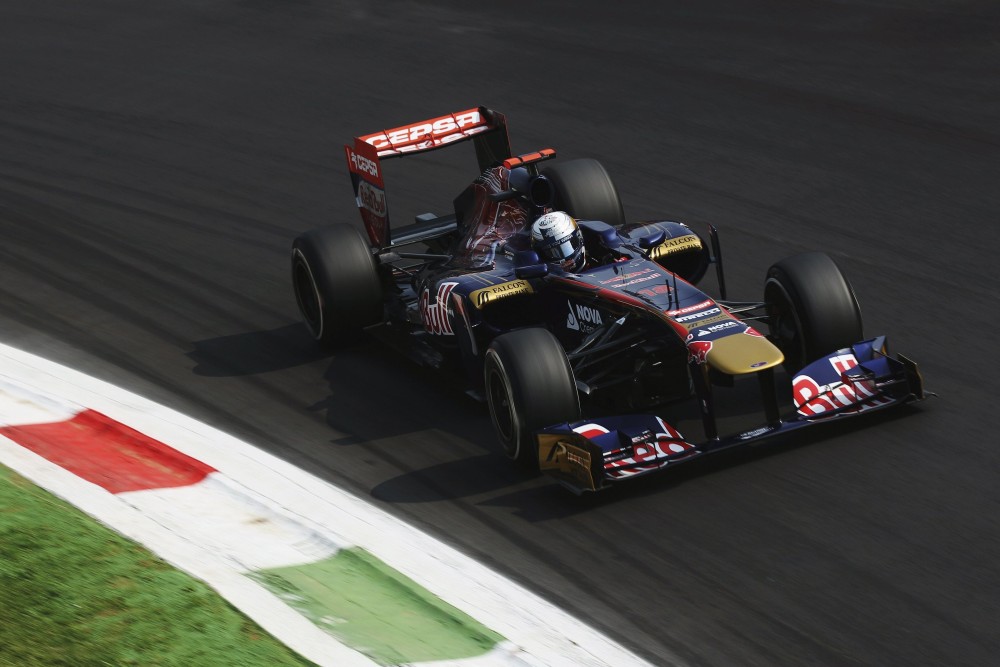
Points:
x=487 y=295
x=689 y=242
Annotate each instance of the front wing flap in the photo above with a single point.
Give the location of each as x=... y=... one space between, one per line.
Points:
x=592 y=454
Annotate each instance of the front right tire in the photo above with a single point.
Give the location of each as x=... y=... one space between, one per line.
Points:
x=811 y=307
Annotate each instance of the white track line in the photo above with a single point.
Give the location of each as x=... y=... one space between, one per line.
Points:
x=541 y=633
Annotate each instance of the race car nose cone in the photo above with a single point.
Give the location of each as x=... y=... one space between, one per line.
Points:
x=743 y=353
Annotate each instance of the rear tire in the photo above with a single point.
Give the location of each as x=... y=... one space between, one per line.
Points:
x=812 y=308
x=584 y=189
x=529 y=385
x=336 y=282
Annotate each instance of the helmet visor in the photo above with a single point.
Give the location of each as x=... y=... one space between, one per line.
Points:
x=563 y=248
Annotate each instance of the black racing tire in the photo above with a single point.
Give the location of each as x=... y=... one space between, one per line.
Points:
x=336 y=282
x=529 y=385
x=812 y=308
x=584 y=189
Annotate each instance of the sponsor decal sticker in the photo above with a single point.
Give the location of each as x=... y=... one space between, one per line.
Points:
x=670 y=246
x=636 y=280
x=487 y=295
x=722 y=317
x=583 y=318
x=425 y=134
x=360 y=164
x=371 y=198
x=813 y=399
x=655 y=452
x=626 y=276
x=591 y=430
x=655 y=290
x=642 y=437
x=690 y=309
x=696 y=316
x=707 y=331
x=435 y=315
x=626 y=279
x=698 y=351
x=757 y=432
x=570 y=460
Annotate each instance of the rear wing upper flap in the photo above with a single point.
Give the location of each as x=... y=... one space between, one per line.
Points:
x=486 y=128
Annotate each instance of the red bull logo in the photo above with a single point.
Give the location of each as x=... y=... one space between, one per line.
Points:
x=698 y=351
x=435 y=315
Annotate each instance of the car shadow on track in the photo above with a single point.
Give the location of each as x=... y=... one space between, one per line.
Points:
x=421 y=425
x=542 y=505
x=255 y=352
x=489 y=479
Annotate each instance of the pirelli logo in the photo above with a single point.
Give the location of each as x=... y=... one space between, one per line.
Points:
x=486 y=295
x=670 y=246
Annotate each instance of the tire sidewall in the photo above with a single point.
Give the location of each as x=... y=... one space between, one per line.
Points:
x=821 y=302
x=584 y=189
x=335 y=266
x=540 y=389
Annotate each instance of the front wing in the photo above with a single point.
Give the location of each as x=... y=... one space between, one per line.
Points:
x=592 y=454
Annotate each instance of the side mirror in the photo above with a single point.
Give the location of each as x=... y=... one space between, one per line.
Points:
x=610 y=238
x=527 y=264
x=653 y=240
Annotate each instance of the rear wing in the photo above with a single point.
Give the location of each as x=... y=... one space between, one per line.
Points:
x=487 y=129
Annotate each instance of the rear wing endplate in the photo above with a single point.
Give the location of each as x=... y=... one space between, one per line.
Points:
x=487 y=129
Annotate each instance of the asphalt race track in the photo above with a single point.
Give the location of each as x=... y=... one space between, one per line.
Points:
x=156 y=160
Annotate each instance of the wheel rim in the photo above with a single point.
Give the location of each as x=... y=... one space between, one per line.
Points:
x=307 y=295
x=785 y=326
x=502 y=411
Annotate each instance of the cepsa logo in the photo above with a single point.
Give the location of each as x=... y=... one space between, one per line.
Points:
x=371 y=198
x=435 y=315
x=429 y=130
x=690 y=309
x=362 y=165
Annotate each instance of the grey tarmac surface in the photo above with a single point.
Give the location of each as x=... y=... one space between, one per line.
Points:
x=156 y=159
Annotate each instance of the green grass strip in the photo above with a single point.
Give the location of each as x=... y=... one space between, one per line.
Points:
x=378 y=611
x=73 y=592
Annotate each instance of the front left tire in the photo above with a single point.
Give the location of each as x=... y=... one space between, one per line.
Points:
x=584 y=189
x=529 y=385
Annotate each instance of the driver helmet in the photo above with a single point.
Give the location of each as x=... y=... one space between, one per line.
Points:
x=557 y=238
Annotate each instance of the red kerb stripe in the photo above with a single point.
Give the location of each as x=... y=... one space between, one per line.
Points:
x=108 y=453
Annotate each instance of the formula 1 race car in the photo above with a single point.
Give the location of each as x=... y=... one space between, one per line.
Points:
x=574 y=362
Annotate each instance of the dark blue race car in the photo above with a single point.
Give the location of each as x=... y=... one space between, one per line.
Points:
x=574 y=358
